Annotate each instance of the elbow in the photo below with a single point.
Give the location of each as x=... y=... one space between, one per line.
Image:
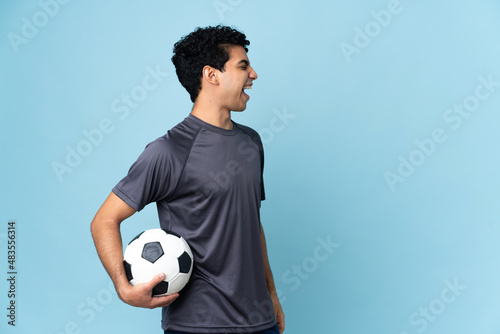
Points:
x=93 y=227
x=102 y=225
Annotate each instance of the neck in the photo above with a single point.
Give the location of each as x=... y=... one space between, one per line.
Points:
x=210 y=113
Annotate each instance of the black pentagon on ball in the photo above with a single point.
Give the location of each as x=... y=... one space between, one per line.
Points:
x=128 y=270
x=152 y=251
x=160 y=288
x=184 y=263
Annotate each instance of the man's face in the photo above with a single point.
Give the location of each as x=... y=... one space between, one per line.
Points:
x=238 y=75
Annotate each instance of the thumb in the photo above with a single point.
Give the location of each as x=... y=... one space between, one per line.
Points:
x=156 y=280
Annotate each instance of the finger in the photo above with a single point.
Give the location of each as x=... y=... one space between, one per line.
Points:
x=163 y=300
x=280 y=320
x=155 y=280
x=281 y=326
x=160 y=301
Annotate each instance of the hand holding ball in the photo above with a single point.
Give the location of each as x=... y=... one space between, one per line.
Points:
x=159 y=251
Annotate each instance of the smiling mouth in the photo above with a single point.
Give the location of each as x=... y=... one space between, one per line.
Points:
x=243 y=90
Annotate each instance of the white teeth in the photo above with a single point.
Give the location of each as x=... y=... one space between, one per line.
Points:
x=247 y=87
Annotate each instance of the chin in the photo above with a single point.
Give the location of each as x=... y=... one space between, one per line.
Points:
x=239 y=108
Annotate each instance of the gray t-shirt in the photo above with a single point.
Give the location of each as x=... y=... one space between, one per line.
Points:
x=207 y=184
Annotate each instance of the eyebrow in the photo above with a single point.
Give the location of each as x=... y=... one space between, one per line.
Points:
x=244 y=61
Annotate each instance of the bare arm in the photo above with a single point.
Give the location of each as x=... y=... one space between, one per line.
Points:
x=105 y=230
x=278 y=310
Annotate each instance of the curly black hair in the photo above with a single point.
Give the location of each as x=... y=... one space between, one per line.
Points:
x=204 y=46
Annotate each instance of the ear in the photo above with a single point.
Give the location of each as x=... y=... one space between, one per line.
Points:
x=210 y=75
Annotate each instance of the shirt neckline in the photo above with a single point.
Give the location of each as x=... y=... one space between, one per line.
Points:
x=213 y=128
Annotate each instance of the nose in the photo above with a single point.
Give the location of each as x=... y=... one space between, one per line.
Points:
x=253 y=75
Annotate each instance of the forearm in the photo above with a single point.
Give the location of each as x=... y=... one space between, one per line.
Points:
x=278 y=310
x=267 y=267
x=105 y=228
x=108 y=243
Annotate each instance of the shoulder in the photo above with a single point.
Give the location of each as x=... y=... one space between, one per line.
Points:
x=254 y=135
x=176 y=140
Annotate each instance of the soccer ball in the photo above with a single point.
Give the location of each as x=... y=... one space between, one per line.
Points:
x=159 y=251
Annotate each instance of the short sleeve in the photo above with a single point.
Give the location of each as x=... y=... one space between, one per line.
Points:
x=148 y=179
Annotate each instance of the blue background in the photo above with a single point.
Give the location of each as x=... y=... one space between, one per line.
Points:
x=351 y=117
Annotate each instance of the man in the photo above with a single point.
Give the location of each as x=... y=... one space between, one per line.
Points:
x=205 y=176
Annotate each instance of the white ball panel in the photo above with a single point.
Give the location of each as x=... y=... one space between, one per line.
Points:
x=177 y=283
x=186 y=247
x=133 y=251
x=143 y=271
x=168 y=265
x=172 y=245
